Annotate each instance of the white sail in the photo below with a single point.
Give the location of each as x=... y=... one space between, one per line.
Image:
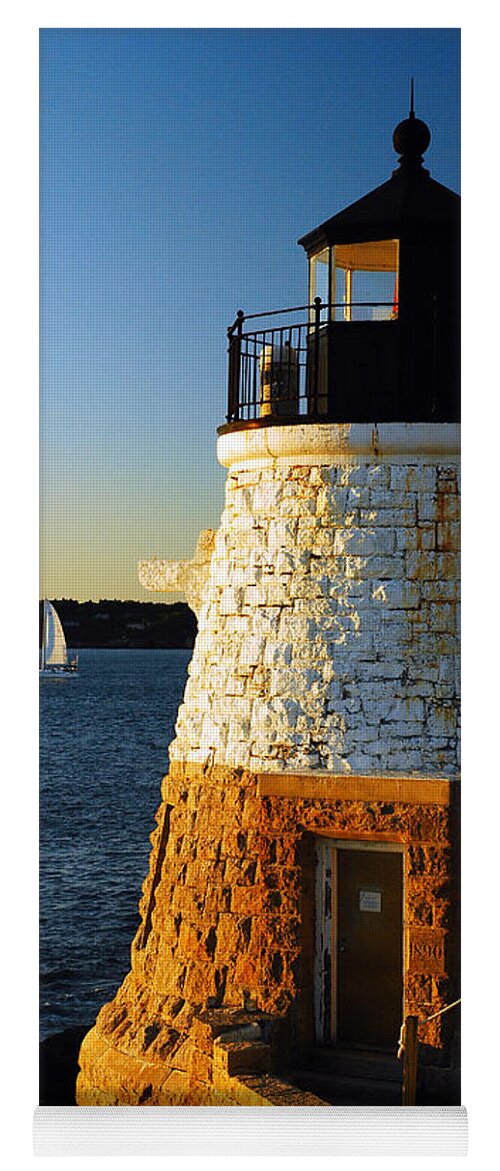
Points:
x=54 y=642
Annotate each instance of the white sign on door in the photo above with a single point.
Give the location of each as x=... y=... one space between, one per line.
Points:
x=370 y=900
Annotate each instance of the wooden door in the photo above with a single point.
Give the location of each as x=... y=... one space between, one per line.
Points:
x=369 y=959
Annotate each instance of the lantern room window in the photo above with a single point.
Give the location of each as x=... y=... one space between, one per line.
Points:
x=360 y=282
x=319 y=276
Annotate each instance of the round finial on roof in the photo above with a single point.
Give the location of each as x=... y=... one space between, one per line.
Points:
x=411 y=138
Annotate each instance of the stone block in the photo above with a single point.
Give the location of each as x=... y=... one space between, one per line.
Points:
x=278 y=591
x=440 y=591
x=247 y=900
x=363 y=542
x=252 y=651
x=448 y=566
x=442 y=617
x=245 y=575
x=415 y=538
x=390 y=668
x=318 y=542
x=212 y=735
x=307 y=586
x=200 y=1068
x=448 y=537
x=230 y=602
x=384 y=568
x=251 y=541
x=282 y=535
x=277 y=654
x=379 y=690
x=396 y=595
x=402 y=515
x=303 y=506
x=234 y=624
x=242 y=523
x=339 y=501
x=445 y=691
x=379 y=497
x=426 y=507
x=285 y=682
x=248 y=478
x=360 y=475
x=312 y=536
x=265 y=622
x=255 y=595
x=374 y=711
x=426 y=536
x=351 y=567
x=319 y=475
x=449 y=669
x=413 y=478
x=442 y=721
x=421 y=566
x=233 y=1057
x=235 y=685
x=351 y=475
x=175 y=1090
x=407 y=710
x=286 y=562
x=406 y=761
x=266 y=498
x=448 y=507
x=448 y=479
x=240 y=500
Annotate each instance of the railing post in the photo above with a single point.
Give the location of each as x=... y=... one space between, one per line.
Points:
x=234 y=336
x=410 y=1058
x=315 y=370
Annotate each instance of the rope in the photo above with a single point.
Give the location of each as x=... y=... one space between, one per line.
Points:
x=447 y=1007
x=423 y=1021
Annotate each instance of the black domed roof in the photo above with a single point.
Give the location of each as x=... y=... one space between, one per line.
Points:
x=411 y=138
x=408 y=200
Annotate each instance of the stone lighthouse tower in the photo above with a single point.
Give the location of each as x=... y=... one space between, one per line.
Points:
x=301 y=898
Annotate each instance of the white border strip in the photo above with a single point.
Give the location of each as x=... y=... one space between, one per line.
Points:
x=341 y=443
x=222 y=1130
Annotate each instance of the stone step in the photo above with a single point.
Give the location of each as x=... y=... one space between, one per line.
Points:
x=343 y=1090
x=357 y=1063
x=234 y=1057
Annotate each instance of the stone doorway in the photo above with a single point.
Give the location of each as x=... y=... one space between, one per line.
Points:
x=359 y=944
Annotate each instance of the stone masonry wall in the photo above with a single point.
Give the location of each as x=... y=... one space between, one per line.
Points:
x=328 y=637
x=327 y=651
x=228 y=921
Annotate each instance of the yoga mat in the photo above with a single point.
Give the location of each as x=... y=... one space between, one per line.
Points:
x=249 y=614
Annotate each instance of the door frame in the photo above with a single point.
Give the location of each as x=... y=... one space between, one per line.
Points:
x=324 y=843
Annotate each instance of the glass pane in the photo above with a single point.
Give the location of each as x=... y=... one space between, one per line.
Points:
x=366 y=281
x=318 y=276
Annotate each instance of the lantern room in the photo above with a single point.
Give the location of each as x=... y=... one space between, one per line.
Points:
x=358 y=281
x=378 y=340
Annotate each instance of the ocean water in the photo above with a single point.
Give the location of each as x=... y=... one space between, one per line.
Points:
x=104 y=749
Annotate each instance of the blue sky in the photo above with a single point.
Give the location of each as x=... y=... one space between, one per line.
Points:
x=178 y=169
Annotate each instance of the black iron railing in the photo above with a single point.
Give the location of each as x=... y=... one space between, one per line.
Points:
x=280 y=373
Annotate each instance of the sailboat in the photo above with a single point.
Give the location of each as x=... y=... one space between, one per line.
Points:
x=55 y=661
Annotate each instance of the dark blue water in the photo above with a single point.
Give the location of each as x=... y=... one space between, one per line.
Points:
x=104 y=742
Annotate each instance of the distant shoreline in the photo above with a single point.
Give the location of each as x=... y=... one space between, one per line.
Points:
x=123 y=646
x=117 y=625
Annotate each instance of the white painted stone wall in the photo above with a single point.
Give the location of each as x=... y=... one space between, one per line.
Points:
x=328 y=633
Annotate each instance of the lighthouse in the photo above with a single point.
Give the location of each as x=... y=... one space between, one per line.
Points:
x=301 y=901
